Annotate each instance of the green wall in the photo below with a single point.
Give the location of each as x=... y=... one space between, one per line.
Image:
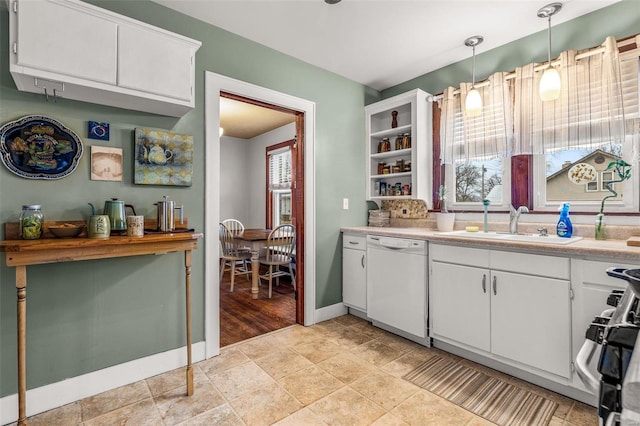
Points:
x=85 y=316
x=620 y=20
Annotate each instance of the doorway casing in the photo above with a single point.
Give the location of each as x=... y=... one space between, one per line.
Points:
x=214 y=84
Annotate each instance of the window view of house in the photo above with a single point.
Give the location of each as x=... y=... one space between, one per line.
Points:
x=560 y=188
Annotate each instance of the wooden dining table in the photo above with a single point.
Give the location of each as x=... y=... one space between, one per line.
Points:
x=256 y=241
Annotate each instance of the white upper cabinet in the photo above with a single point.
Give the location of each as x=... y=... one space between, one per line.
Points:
x=48 y=40
x=71 y=49
x=154 y=62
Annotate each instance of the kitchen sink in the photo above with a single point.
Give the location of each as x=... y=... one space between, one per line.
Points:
x=528 y=238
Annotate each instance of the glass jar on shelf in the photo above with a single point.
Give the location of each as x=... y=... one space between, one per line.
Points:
x=31 y=222
x=399 y=142
x=406 y=141
x=385 y=145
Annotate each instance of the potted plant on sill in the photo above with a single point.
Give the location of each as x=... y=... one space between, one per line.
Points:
x=444 y=219
x=623 y=170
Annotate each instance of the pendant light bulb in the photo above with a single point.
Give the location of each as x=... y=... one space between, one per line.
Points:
x=550 y=83
x=473 y=102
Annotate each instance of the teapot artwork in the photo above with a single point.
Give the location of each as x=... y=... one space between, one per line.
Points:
x=158 y=155
x=162 y=157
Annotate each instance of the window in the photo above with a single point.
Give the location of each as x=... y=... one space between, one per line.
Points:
x=591 y=128
x=475 y=148
x=279 y=188
x=478 y=180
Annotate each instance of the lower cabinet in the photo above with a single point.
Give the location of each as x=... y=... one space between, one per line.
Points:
x=354 y=271
x=513 y=306
x=460 y=306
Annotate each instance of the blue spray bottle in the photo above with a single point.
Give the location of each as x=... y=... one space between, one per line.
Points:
x=564 y=228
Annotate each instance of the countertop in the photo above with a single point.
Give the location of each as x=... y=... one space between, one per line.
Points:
x=585 y=248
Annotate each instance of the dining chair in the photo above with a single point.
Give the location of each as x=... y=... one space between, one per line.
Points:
x=230 y=256
x=281 y=244
x=235 y=226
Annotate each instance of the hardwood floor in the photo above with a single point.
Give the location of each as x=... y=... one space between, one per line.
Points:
x=242 y=317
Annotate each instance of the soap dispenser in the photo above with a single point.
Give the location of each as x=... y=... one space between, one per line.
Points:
x=564 y=228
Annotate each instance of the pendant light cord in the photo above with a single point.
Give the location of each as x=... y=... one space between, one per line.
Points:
x=473 y=68
x=549 y=40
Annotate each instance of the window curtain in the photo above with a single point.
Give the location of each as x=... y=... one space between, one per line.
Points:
x=598 y=103
x=485 y=136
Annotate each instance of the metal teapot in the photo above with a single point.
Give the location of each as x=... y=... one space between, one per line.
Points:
x=166 y=222
x=115 y=209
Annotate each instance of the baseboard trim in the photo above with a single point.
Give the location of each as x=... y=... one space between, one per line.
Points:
x=57 y=394
x=330 y=312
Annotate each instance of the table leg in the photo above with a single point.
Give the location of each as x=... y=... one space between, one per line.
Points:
x=21 y=286
x=255 y=271
x=187 y=267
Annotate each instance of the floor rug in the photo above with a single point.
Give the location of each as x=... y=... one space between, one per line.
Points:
x=488 y=397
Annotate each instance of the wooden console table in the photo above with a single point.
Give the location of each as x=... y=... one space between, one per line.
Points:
x=22 y=253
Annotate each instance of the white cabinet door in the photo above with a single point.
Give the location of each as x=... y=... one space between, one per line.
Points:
x=459 y=304
x=154 y=63
x=531 y=321
x=354 y=278
x=48 y=39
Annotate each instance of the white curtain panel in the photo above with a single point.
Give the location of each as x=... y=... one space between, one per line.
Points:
x=590 y=111
x=598 y=105
x=488 y=135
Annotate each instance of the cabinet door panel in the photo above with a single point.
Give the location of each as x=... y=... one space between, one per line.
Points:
x=65 y=40
x=154 y=63
x=531 y=321
x=459 y=307
x=354 y=279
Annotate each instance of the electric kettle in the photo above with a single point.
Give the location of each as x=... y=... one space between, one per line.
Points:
x=115 y=209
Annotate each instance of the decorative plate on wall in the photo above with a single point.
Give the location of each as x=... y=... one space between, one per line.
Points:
x=38 y=147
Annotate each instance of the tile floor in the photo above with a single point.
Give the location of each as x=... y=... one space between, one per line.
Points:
x=339 y=372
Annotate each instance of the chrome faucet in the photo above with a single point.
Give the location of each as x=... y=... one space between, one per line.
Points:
x=514 y=215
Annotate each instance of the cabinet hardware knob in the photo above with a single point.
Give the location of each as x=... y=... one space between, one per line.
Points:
x=495 y=285
x=484 y=283
x=362 y=261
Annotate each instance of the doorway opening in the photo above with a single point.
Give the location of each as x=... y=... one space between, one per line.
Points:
x=249 y=129
x=215 y=84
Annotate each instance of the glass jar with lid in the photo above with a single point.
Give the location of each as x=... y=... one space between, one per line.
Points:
x=31 y=222
x=399 y=142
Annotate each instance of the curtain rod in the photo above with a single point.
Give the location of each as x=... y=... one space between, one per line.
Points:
x=627 y=41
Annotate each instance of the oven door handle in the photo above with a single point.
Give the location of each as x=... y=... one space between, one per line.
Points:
x=612 y=419
x=582 y=366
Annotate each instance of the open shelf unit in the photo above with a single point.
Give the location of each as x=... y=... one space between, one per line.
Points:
x=414 y=118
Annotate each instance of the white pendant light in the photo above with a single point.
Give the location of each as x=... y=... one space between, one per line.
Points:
x=550 y=83
x=473 y=102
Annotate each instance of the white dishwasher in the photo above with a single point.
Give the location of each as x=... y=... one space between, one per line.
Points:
x=397 y=283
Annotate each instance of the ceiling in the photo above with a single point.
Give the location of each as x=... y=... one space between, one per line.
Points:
x=379 y=43
x=246 y=121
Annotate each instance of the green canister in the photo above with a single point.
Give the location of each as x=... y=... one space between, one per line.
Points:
x=31 y=222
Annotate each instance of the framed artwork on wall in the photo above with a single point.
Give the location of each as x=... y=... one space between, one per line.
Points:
x=162 y=158
x=97 y=130
x=106 y=163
